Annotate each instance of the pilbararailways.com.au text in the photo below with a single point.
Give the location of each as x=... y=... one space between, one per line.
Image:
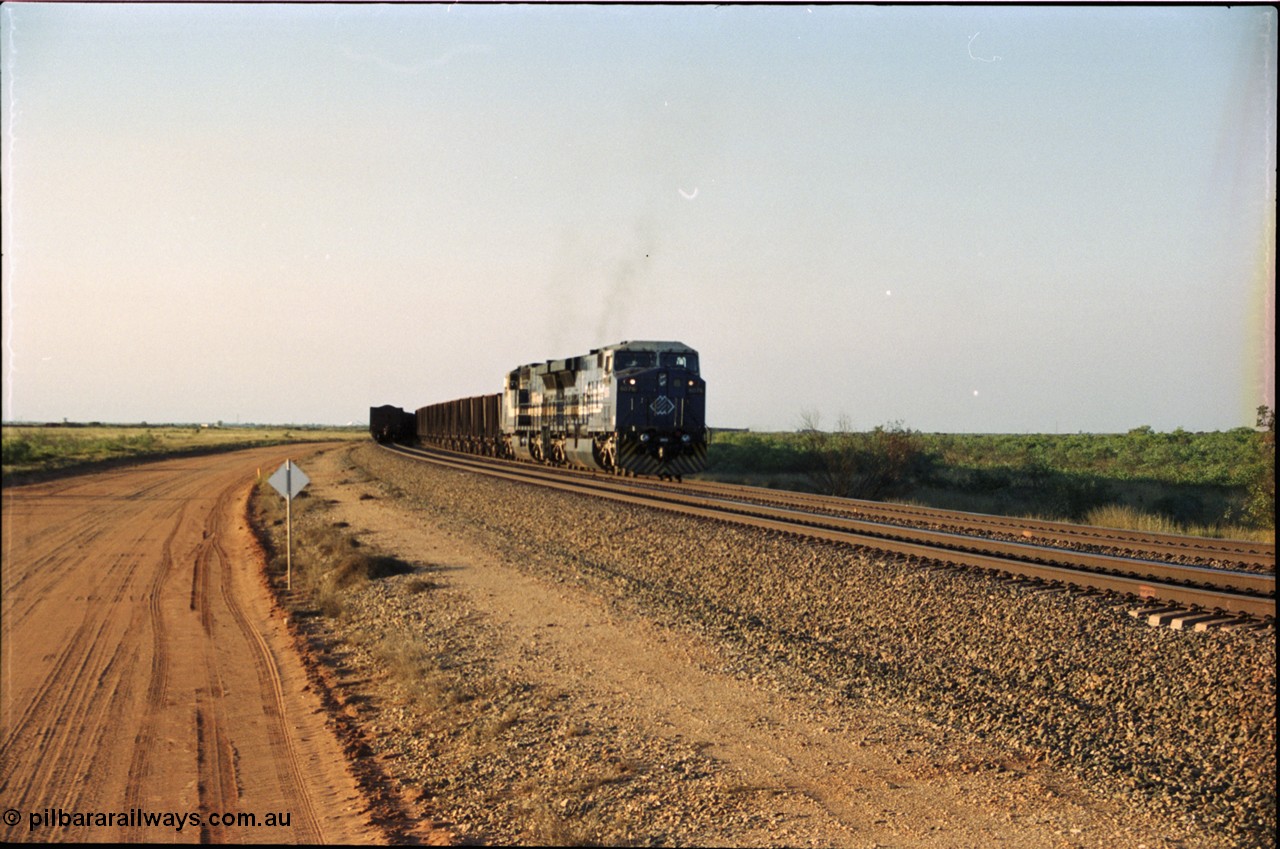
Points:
x=138 y=818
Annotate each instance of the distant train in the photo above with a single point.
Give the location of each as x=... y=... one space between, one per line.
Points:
x=634 y=407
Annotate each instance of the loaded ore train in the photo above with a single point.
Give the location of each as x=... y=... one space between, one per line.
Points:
x=634 y=407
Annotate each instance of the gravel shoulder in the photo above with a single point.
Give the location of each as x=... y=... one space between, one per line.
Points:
x=561 y=671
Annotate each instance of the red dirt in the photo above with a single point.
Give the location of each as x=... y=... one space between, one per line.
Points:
x=145 y=668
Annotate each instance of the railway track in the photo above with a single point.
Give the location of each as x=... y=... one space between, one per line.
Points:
x=1241 y=555
x=1136 y=565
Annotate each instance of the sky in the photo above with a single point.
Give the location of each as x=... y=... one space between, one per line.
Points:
x=950 y=219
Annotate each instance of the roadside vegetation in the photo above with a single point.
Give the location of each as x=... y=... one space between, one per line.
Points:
x=36 y=452
x=1209 y=484
x=324 y=559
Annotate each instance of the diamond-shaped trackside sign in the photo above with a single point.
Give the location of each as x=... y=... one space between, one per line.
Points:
x=289 y=480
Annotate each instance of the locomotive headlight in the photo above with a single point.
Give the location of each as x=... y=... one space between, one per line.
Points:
x=686 y=438
x=644 y=437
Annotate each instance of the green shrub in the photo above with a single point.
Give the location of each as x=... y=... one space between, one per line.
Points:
x=884 y=463
x=17 y=451
x=1260 y=504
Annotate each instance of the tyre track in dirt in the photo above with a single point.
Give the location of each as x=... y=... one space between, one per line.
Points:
x=85 y=683
x=218 y=787
x=144 y=667
x=157 y=688
x=288 y=768
x=49 y=570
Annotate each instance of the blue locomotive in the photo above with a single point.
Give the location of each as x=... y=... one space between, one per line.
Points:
x=634 y=407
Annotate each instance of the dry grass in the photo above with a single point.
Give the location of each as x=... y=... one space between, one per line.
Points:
x=554 y=814
x=549 y=826
x=420 y=585
x=327 y=558
x=486 y=731
x=358 y=567
x=1128 y=518
x=417 y=671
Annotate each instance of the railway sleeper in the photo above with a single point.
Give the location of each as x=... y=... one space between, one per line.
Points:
x=1172 y=616
x=1180 y=618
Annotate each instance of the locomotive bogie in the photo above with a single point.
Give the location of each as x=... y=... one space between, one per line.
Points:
x=580 y=451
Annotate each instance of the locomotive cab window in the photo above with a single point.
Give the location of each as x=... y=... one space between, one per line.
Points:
x=681 y=360
x=634 y=359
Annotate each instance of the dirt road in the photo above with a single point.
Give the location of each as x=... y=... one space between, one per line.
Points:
x=147 y=684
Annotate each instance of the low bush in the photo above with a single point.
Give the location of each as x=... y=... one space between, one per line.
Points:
x=1222 y=483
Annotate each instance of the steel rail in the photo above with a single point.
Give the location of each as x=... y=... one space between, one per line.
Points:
x=1248 y=593
x=1259 y=554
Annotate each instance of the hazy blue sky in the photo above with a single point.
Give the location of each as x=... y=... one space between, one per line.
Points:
x=960 y=218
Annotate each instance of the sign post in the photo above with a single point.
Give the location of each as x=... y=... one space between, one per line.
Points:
x=288 y=480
